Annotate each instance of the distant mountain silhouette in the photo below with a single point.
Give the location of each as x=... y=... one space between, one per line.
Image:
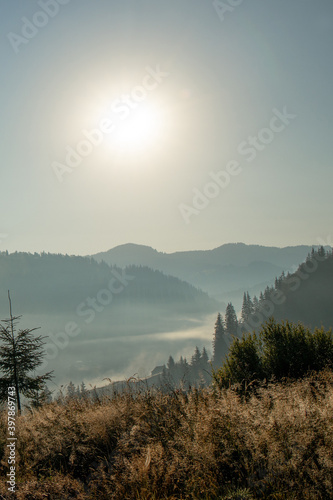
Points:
x=223 y=272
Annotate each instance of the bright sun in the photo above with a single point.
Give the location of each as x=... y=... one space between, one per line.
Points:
x=138 y=131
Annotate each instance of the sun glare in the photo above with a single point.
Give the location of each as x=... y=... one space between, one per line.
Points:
x=138 y=131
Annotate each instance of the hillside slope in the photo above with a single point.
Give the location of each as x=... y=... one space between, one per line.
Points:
x=120 y=315
x=223 y=272
x=305 y=295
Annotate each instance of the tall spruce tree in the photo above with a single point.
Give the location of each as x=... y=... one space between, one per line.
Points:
x=195 y=360
x=220 y=347
x=171 y=363
x=204 y=357
x=71 y=391
x=20 y=354
x=231 y=322
x=247 y=307
x=321 y=252
x=83 y=390
x=244 y=313
x=250 y=306
x=40 y=398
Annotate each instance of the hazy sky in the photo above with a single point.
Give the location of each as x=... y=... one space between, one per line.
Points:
x=177 y=93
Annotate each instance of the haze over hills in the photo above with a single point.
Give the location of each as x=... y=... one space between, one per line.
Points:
x=305 y=296
x=223 y=272
x=120 y=315
x=131 y=319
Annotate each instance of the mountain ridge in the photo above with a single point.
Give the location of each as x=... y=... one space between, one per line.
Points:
x=231 y=267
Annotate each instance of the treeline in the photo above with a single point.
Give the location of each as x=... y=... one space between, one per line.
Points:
x=184 y=374
x=69 y=392
x=305 y=295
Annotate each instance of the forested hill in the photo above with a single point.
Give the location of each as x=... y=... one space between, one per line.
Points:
x=125 y=319
x=223 y=272
x=306 y=295
x=43 y=283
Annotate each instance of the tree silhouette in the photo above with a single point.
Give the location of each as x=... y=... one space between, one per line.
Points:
x=20 y=353
x=195 y=360
x=247 y=307
x=171 y=363
x=71 y=391
x=220 y=347
x=40 y=398
x=231 y=322
x=204 y=357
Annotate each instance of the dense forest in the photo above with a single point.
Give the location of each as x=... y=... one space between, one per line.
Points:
x=306 y=296
x=57 y=283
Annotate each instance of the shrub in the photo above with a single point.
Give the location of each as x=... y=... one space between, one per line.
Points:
x=281 y=350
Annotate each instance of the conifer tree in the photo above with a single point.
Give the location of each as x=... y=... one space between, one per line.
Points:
x=231 y=322
x=171 y=363
x=41 y=397
x=247 y=307
x=244 y=313
x=321 y=252
x=249 y=304
x=220 y=347
x=20 y=354
x=196 y=357
x=83 y=390
x=204 y=357
x=71 y=391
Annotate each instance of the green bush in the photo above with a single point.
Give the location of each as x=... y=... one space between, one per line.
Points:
x=243 y=363
x=281 y=350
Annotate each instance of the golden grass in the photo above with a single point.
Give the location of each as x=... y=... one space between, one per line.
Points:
x=208 y=444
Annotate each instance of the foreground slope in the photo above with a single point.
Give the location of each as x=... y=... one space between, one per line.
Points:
x=202 y=444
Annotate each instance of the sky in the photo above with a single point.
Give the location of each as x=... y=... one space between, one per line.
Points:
x=179 y=124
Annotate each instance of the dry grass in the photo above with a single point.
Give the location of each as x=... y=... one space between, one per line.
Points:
x=275 y=444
